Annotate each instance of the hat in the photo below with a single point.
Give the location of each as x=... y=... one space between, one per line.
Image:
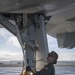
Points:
x=53 y=54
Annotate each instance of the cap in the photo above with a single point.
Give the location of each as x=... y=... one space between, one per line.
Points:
x=53 y=54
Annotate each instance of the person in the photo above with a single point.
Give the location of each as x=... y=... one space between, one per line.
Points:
x=48 y=69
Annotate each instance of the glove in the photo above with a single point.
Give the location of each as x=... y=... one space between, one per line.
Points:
x=28 y=68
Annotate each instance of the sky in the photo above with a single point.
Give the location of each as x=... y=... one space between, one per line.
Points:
x=10 y=48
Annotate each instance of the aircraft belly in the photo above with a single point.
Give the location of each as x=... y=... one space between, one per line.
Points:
x=28 y=6
x=13 y=5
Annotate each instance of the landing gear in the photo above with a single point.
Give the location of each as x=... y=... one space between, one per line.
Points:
x=30 y=30
x=36 y=33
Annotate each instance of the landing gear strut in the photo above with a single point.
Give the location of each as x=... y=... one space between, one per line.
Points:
x=31 y=32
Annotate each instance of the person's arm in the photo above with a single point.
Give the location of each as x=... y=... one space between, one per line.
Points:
x=29 y=69
x=41 y=72
x=47 y=70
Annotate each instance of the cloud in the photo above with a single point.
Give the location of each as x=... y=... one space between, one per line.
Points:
x=52 y=41
x=64 y=54
x=13 y=41
x=11 y=49
x=11 y=56
x=67 y=56
x=4 y=33
x=10 y=38
x=50 y=38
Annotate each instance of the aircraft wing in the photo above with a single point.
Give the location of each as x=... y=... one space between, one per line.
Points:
x=62 y=27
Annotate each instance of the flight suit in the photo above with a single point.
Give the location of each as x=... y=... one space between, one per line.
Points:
x=47 y=70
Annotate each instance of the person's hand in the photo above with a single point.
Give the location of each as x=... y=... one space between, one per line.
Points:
x=28 y=68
